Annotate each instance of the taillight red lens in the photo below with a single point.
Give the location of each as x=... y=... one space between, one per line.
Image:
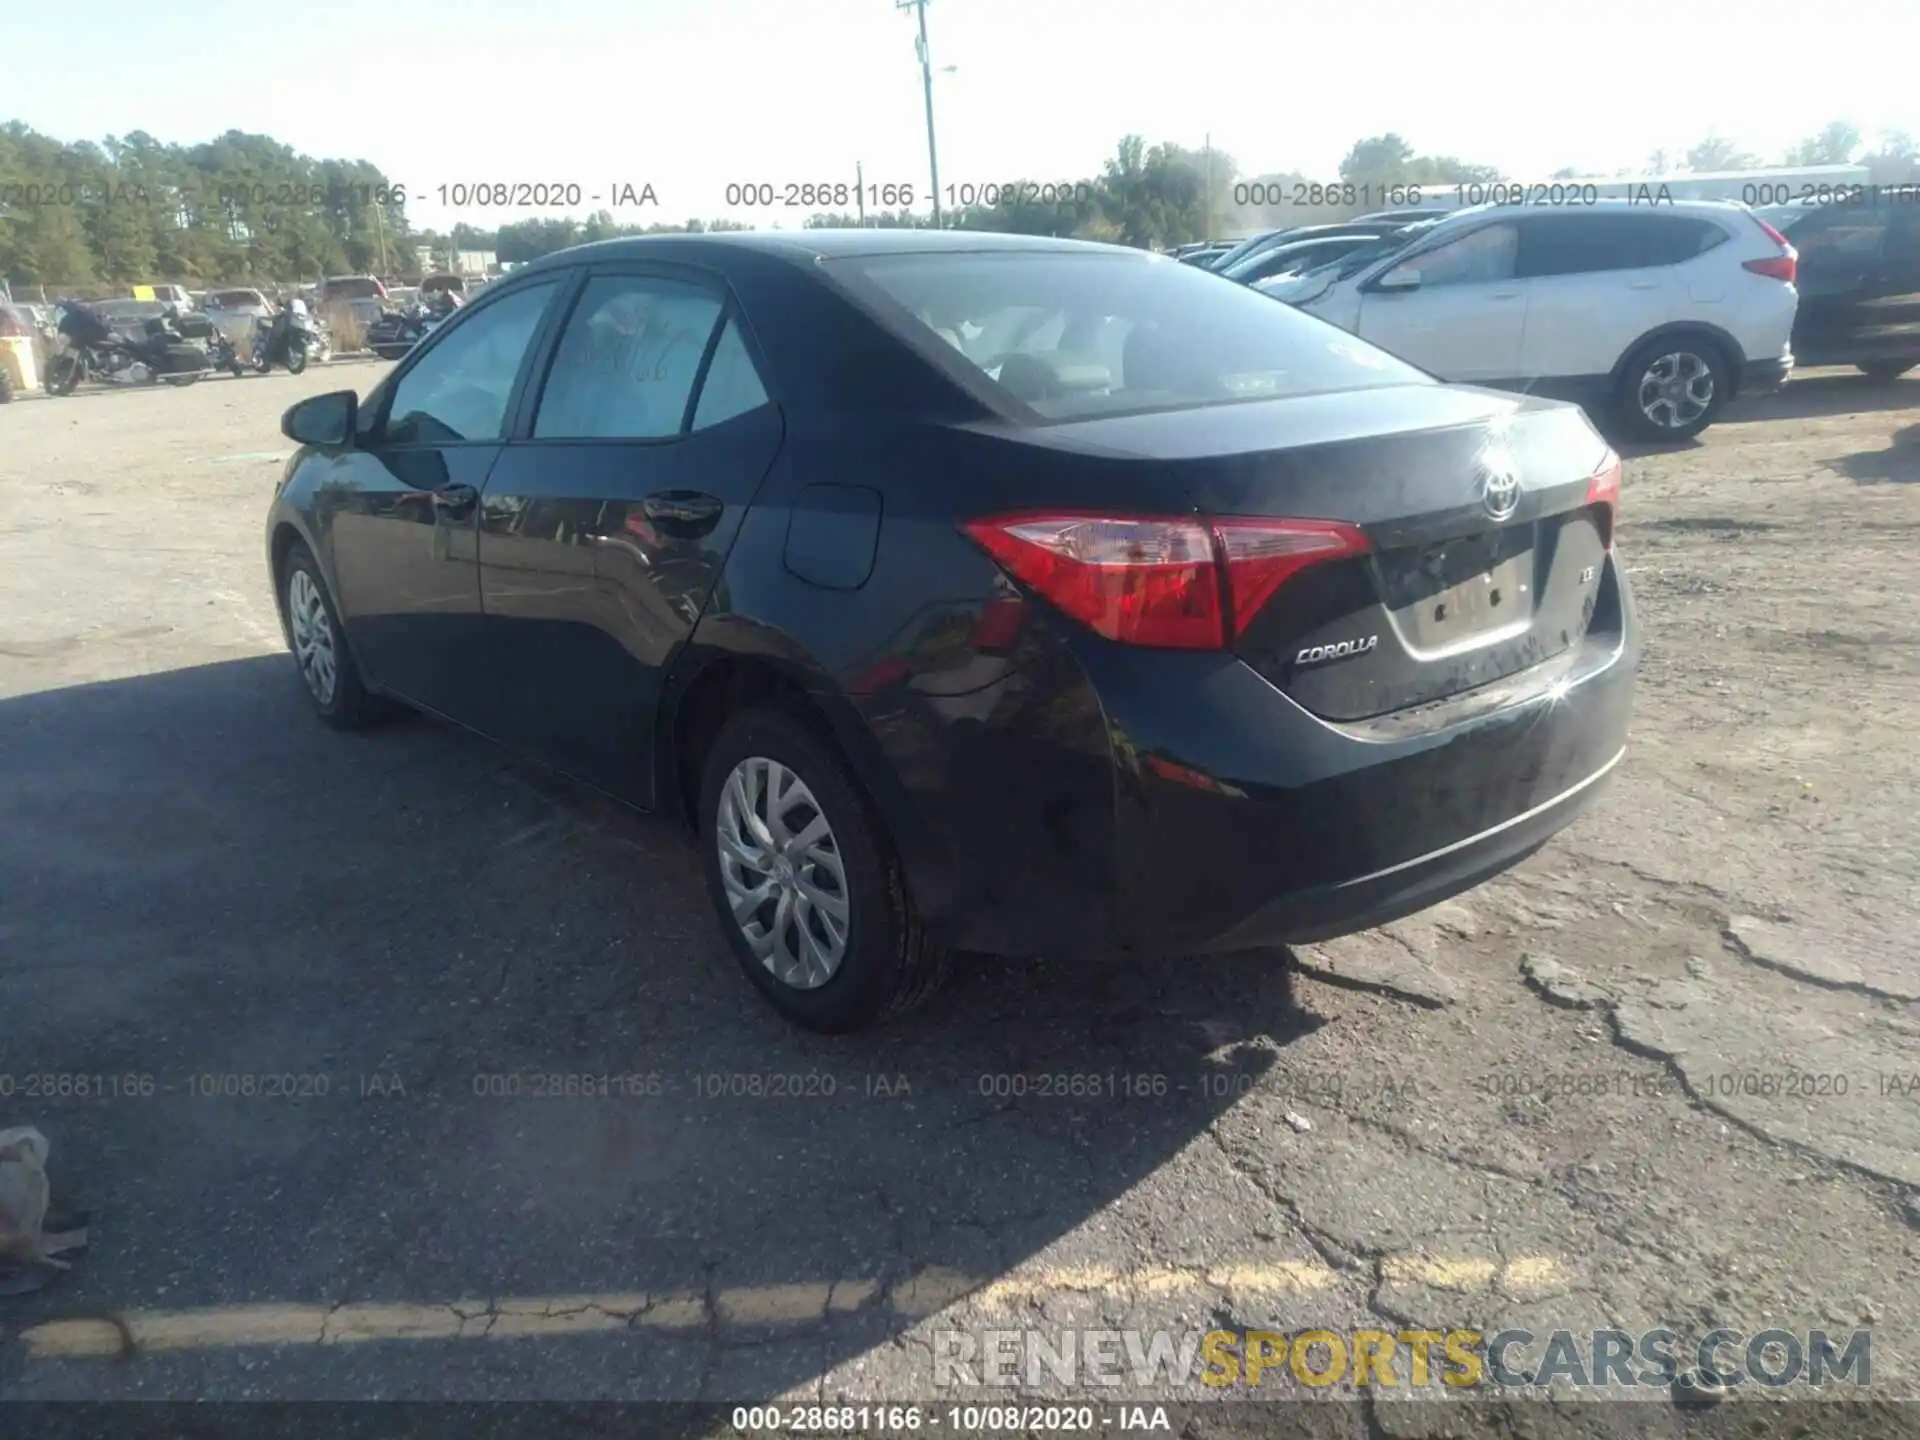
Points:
x=1174 y=583
x=1776 y=267
x=1772 y=234
x=1604 y=489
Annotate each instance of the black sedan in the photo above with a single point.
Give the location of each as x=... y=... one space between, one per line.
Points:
x=973 y=593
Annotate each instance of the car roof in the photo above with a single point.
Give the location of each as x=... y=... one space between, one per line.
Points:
x=803 y=245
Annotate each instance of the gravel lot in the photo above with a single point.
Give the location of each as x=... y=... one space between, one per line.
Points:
x=1557 y=1102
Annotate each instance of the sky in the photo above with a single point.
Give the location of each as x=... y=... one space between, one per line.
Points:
x=689 y=95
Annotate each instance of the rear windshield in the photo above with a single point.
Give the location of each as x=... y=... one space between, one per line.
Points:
x=355 y=288
x=234 y=299
x=1075 y=335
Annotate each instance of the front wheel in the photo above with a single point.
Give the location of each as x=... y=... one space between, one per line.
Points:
x=805 y=880
x=1671 y=389
x=327 y=668
x=1884 y=370
x=180 y=382
x=296 y=359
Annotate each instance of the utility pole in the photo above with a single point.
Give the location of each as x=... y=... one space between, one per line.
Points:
x=1209 y=142
x=926 y=80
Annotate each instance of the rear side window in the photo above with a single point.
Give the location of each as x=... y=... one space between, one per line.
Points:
x=628 y=359
x=1069 y=335
x=1676 y=239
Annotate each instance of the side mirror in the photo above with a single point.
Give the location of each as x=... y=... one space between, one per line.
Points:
x=323 y=419
x=1401 y=277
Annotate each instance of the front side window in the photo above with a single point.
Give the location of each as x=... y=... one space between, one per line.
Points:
x=1068 y=336
x=460 y=387
x=1483 y=257
x=628 y=359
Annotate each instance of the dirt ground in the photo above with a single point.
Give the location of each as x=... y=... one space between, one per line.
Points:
x=1667 y=1072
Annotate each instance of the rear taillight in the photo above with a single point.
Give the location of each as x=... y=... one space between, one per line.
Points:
x=1603 y=489
x=1782 y=267
x=1174 y=583
x=1775 y=267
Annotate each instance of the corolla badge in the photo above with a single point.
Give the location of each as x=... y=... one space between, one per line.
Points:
x=1339 y=650
x=1499 y=482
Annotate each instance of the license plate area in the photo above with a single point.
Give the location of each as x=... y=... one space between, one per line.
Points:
x=1471 y=591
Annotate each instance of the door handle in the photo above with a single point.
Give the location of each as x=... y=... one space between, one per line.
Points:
x=683 y=512
x=1504 y=295
x=1644 y=285
x=454 y=497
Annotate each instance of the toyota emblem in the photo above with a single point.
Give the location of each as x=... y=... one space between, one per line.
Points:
x=1499 y=485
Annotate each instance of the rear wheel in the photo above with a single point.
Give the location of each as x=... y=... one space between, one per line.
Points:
x=63 y=375
x=1672 y=388
x=1883 y=370
x=327 y=669
x=804 y=879
x=180 y=382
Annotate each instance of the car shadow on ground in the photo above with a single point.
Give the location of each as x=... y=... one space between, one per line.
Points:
x=498 y=1049
x=1898 y=464
x=1808 y=397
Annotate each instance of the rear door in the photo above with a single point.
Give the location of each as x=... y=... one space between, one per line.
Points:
x=1596 y=282
x=1848 y=296
x=608 y=517
x=1466 y=319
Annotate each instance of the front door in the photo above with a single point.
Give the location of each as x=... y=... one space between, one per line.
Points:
x=401 y=509
x=1466 y=318
x=603 y=530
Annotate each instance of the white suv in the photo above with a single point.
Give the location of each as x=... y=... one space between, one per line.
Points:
x=1657 y=314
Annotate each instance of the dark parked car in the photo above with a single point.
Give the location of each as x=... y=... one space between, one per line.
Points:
x=973 y=593
x=1859 y=283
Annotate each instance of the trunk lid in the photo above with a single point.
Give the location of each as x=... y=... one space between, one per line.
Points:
x=1486 y=557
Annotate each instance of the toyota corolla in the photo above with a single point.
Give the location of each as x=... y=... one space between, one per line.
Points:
x=973 y=593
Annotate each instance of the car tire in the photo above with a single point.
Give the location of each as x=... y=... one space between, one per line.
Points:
x=1672 y=388
x=1881 y=371
x=885 y=963
x=328 y=674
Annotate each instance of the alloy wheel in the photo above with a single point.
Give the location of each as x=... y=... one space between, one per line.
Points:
x=1675 y=390
x=312 y=636
x=785 y=881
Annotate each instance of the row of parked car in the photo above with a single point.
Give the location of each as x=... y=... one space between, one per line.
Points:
x=1651 y=315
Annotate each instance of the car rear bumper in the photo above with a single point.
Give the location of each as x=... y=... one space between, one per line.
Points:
x=1400 y=890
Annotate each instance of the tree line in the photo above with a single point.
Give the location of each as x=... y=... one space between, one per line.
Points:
x=247 y=209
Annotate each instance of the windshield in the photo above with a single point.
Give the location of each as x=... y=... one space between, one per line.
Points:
x=1068 y=336
x=355 y=287
x=235 y=299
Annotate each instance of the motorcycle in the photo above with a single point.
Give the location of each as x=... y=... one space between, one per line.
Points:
x=159 y=353
x=291 y=340
x=398 y=331
x=198 y=327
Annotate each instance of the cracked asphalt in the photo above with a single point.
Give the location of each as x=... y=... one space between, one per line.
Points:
x=1665 y=1073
